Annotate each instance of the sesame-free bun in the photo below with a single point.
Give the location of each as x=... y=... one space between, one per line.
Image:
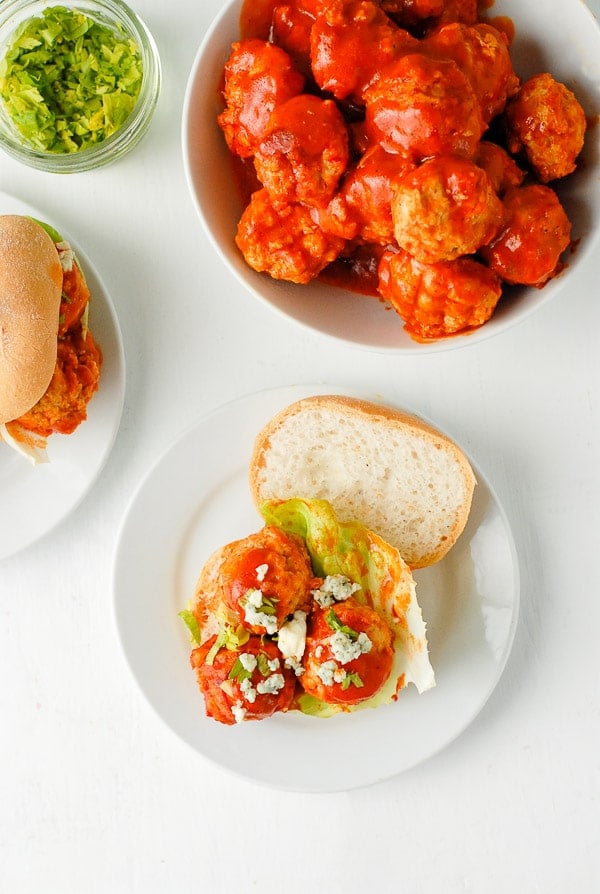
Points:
x=30 y=290
x=387 y=469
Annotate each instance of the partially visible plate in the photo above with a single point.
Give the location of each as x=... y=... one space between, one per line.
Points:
x=36 y=498
x=195 y=499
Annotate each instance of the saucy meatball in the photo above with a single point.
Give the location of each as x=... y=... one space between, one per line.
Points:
x=445 y=208
x=348 y=655
x=257 y=77
x=304 y=151
x=464 y=11
x=546 y=121
x=368 y=191
x=502 y=170
x=535 y=233
x=421 y=107
x=74 y=382
x=249 y=684
x=438 y=300
x=482 y=54
x=350 y=43
x=265 y=578
x=286 y=242
x=290 y=30
x=412 y=14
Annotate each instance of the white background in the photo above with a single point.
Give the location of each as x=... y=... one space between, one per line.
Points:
x=96 y=795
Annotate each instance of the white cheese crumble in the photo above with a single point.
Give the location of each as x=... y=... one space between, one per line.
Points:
x=291 y=639
x=66 y=256
x=294 y=665
x=261 y=571
x=253 y=615
x=329 y=673
x=335 y=588
x=248 y=661
x=346 y=649
x=238 y=711
x=271 y=685
x=248 y=690
x=273 y=664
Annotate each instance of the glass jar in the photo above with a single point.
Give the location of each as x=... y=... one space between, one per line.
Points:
x=120 y=19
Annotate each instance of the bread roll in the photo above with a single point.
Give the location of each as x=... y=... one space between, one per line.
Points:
x=30 y=291
x=388 y=470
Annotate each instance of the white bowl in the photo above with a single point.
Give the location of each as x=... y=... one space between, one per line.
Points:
x=560 y=36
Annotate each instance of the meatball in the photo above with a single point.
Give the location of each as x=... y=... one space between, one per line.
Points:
x=303 y=152
x=502 y=170
x=482 y=54
x=249 y=684
x=266 y=577
x=73 y=384
x=350 y=43
x=546 y=121
x=438 y=300
x=348 y=655
x=413 y=14
x=464 y=11
x=290 y=30
x=286 y=242
x=445 y=208
x=258 y=78
x=535 y=233
x=368 y=191
x=421 y=107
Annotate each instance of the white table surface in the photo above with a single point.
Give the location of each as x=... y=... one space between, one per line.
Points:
x=96 y=795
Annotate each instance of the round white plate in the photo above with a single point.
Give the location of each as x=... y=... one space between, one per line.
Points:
x=36 y=498
x=195 y=499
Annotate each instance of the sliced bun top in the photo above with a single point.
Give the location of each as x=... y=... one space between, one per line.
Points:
x=30 y=290
x=387 y=469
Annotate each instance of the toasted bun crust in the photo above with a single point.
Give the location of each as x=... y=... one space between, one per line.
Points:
x=388 y=470
x=30 y=289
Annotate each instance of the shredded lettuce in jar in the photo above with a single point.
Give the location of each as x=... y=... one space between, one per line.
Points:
x=67 y=81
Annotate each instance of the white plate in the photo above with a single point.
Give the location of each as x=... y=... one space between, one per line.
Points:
x=36 y=498
x=195 y=499
x=560 y=36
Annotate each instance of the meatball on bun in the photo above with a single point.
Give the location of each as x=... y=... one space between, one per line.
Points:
x=317 y=611
x=49 y=363
x=310 y=614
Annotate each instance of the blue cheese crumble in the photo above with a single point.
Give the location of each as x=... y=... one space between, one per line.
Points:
x=346 y=648
x=253 y=614
x=248 y=661
x=335 y=588
x=238 y=711
x=261 y=572
x=329 y=673
x=271 y=684
x=248 y=690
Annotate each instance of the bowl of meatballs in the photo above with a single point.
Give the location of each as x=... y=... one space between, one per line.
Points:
x=398 y=176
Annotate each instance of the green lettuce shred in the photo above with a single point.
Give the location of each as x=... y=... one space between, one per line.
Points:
x=335 y=547
x=190 y=621
x=54 y=234
x=69 y=82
